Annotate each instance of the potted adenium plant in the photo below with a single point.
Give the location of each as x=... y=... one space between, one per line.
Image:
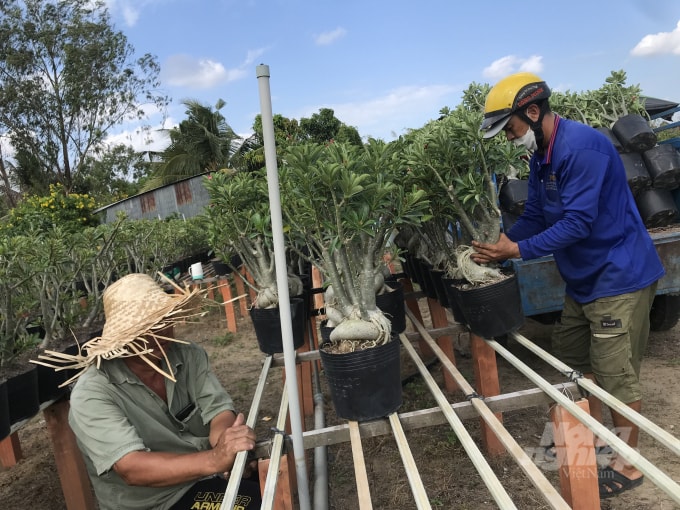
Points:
x=459 y=171
x=238 y=222
x=344 y=202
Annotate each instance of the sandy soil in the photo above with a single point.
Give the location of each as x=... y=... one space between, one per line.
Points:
x=449 y=476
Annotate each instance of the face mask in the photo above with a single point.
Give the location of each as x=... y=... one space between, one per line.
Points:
x=528 y=139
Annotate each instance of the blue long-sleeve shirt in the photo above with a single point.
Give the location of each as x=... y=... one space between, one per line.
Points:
x=580 y=209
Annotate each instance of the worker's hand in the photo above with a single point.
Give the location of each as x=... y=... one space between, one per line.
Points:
x=237 y=438
x=504 y=249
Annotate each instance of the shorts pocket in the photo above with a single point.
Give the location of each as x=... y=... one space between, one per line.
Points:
x=610 y=354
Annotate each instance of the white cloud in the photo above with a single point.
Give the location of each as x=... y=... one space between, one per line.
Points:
x=129 y=10
x=203 y=73
x=141 y=139
x=326 y=38
x=199 y=73
x=512 y=64
x=399 y=109
x=658 y=44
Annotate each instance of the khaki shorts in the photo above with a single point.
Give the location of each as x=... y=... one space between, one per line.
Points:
x=607 y=337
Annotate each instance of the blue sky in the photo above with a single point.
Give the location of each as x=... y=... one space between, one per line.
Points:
x=387 y=66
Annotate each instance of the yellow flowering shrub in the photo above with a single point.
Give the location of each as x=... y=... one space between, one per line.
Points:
x=70 y=211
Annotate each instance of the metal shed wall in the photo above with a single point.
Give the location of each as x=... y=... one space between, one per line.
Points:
x=165 y=201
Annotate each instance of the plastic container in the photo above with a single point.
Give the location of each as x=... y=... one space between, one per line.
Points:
x=492 y=310
x=365 y=385
x=392 y=305
x=267 y=323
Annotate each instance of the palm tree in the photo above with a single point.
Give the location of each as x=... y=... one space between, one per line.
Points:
x=203 y=142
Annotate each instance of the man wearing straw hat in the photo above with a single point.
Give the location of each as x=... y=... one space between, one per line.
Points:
x=156 y=428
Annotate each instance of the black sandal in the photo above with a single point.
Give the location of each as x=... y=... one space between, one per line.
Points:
x=612 y=483
x=599 y=450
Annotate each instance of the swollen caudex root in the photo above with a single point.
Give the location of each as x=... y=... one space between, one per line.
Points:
x=268 y=297
x=473 y=272
x=354 y=334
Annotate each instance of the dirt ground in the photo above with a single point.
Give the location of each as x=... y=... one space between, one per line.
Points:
x=450 y=479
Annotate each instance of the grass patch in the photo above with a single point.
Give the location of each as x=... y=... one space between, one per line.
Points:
x=223 y=340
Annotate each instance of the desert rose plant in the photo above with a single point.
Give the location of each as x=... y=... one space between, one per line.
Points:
x=344 y=202
x=238 y=221
x=458 y=171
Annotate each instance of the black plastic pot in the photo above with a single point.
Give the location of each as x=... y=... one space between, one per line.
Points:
x=436 y=275
x=413 y=268
x=657 y=207
x=5 y=425
x=492 y=310
x=426 y=283
x=636 y=172
x=267 y=323
x=451 y=288
x=634 y=133
x=611 y=136
x=508 y=220
x=221 y=268
x=663 y=165
x=392 y=305
x=513 y=196
x=364 y=385
x=306 y=296
x=22 y=395
x=48 y=384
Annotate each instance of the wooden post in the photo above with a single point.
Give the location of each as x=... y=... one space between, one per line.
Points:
x=75 y=482
x=486 y=381
x=283 y=499
x=10 y=451
x=211 y=293
x=225 y=289
x=425 y=350
x=445 y=343
x=304 y=370
x=576 y=459
x=318 y=303
x=240 y=290
x=251 y=289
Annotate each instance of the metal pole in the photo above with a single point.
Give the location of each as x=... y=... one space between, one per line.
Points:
x=282 y=284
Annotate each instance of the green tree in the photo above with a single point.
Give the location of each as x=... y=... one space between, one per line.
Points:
x=114 y=175
x=66 y=78
x=203 y=142
x=324 y=126
x=250 y=155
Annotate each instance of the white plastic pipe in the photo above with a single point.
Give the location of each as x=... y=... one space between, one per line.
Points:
x=658 y=477
x=282 y=284
x=648 y=426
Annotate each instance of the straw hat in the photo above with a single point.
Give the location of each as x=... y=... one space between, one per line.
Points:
x=137 y=309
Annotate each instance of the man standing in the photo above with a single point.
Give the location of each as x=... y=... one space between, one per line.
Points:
x=581 y=210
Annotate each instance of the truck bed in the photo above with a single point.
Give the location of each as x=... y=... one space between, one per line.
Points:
x=542 y=287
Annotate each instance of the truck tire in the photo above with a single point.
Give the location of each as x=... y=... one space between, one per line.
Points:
x=665 y=312
x=547 y=318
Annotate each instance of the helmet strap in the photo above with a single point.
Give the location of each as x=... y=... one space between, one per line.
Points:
x=536 y=126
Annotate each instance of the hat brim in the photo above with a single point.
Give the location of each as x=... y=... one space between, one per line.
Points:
x=496 y=127
x=134 y=339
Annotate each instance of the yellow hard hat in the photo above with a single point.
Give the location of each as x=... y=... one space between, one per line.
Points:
x=509 y=95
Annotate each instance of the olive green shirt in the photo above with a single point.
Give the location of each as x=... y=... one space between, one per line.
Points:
x=113 y=413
